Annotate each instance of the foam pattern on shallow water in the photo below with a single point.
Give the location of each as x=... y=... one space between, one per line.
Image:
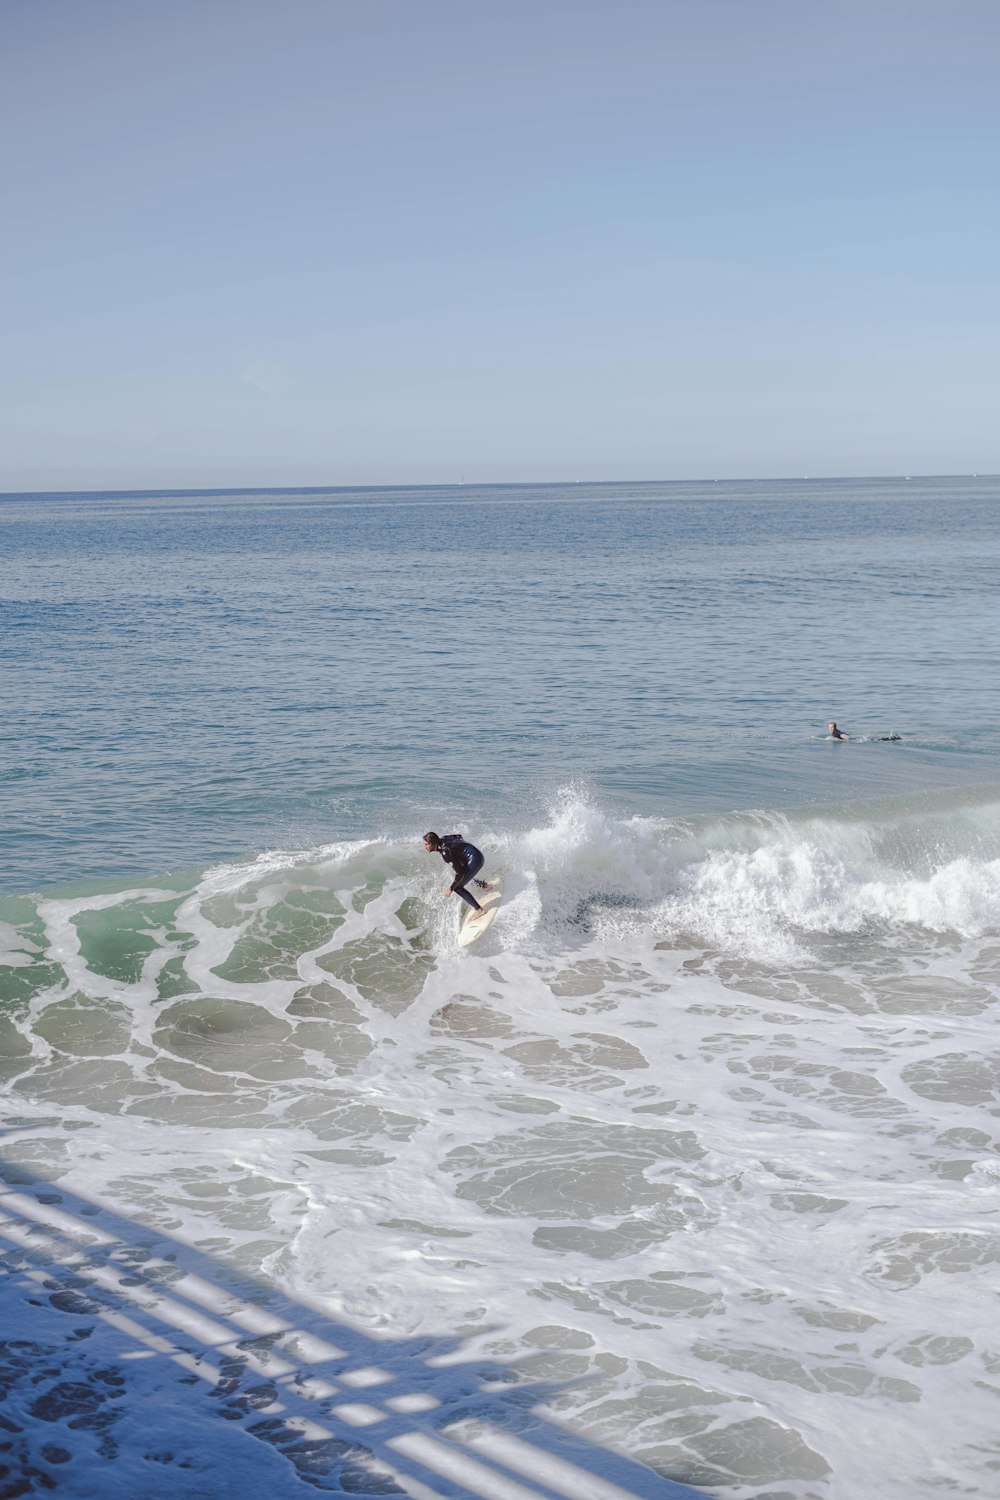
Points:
x=704 y=1134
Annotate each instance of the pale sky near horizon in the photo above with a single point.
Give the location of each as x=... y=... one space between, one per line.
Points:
x=414 y=241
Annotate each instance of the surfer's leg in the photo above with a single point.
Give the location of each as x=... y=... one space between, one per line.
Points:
x=464 y=876
x=466 y=896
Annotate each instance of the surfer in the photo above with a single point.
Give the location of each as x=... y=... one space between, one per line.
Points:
x=838 y=734
x=466 y=860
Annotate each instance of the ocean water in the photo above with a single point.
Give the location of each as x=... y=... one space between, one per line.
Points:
x=686 y=1175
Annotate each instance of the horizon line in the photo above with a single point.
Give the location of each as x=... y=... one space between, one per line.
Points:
x=326 y=489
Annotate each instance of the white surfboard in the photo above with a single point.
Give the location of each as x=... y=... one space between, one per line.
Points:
x=470 y=930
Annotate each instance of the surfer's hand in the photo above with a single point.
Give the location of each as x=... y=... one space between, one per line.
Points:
x=448 y=891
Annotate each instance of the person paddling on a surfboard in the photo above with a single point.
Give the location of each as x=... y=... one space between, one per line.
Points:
x=465 y=859
x=838 y=734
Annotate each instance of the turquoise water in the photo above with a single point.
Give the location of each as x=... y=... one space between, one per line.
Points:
x=694 y=1157
x=196 y=675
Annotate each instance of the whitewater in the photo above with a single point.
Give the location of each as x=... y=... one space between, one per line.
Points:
x=685 y=1179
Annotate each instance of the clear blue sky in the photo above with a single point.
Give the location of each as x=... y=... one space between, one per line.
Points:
x=303 y=242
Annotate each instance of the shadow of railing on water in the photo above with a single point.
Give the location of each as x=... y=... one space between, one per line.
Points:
x=350 y=1413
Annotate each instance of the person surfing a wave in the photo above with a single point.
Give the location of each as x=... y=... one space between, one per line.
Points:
x=466 y=860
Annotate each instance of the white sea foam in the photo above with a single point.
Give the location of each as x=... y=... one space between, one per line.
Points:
x=708 y=1118
x=755 y=886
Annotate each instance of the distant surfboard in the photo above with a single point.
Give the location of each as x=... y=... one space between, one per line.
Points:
x=469 y=931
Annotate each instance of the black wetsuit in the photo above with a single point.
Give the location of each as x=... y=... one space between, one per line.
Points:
x=466 y=860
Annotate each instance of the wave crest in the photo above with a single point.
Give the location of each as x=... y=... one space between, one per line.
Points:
x=761 y=885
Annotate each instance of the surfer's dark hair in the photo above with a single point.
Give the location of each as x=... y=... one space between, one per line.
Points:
x=432 y=839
